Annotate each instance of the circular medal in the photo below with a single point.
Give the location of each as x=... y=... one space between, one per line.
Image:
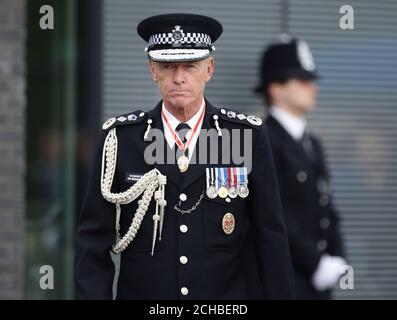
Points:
x=233 y=192
x=183 y=163
x=243 y=191
x=211 y=192
x=222 y=192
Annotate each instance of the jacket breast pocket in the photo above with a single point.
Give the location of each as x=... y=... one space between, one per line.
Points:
x=223 y=223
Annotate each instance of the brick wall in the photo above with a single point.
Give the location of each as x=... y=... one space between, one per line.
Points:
x=12 y=158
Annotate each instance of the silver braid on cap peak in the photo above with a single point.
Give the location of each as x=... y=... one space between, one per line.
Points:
x=147 y=185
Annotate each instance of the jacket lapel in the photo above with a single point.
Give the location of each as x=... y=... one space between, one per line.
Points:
x=292 y=145
x=171 y=171
x=196 y=170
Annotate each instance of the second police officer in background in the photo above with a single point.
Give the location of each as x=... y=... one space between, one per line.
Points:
x=287 y=82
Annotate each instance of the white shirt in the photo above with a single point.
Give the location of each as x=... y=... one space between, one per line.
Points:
x=174 y=122
x=294 y=125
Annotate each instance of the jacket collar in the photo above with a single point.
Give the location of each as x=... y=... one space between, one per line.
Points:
x=171 y=171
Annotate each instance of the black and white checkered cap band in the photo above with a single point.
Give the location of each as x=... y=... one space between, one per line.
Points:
x=168 y=38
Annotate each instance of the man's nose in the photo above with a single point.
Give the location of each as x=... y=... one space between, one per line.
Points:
x=313 y=87
x=179 y=76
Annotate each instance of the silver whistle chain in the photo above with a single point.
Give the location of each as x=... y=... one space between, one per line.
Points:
x=192 y=208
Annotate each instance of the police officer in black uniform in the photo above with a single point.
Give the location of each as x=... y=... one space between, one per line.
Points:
x=287 y=82
x=178 y=223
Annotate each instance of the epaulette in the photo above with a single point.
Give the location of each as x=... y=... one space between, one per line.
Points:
x=237 y=117
x=128 y=118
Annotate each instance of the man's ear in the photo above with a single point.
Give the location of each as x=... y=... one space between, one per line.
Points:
x=209 y=68
x=272 y=93
x=275 y=91
x=152 y=69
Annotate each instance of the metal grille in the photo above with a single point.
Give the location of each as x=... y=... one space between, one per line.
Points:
x=356 y=117
x=248 y=25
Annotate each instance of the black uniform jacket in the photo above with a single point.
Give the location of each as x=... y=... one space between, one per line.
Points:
x=311 y=219
x=214 y=267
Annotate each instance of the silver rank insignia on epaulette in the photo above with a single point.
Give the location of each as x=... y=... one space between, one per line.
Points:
x=121 y=119
x=108 y=123
x=231 y=114
x=254 y=120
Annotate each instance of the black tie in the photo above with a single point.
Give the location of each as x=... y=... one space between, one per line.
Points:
x=182 y=129
x=307 y=145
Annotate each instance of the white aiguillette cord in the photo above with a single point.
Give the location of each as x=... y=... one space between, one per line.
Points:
x=147 y=185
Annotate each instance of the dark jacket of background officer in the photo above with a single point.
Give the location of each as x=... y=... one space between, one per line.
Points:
x=287 y=83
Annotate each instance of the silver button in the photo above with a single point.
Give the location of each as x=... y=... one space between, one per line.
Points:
x=184 y=291
x=183 y=259
x=322 y=245
x=182 y=197
x=323 y=186
x=183 y=228
x=324 y=200
x=228 y=200
x=142 y=114
x=324 y=223
x=223 y=111
x=301 y=176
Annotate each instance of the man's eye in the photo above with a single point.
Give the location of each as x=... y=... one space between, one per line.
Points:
x=191 y=66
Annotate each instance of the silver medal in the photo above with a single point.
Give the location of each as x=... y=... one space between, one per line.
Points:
x=242 y=182
x=233 y=192
x=243 y=191
x=211 y=192
x=183 y=163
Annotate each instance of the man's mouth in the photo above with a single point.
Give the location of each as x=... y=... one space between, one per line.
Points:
x=179 y=92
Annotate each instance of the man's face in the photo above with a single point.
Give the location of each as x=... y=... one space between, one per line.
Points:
x=298 y=94
x=182 y=83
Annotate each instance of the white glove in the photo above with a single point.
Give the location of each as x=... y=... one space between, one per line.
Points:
x=328 y=272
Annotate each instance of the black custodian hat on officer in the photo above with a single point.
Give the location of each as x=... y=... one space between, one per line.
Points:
x=179 y=37
x=290 y=58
